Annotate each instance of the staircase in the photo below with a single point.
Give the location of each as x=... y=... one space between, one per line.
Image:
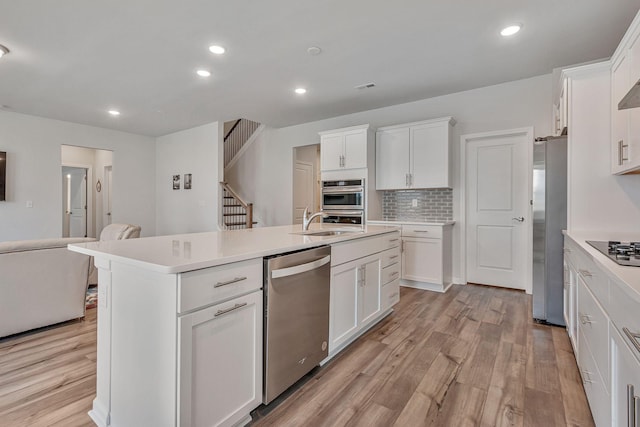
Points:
x=236 y=214
x=237 y=136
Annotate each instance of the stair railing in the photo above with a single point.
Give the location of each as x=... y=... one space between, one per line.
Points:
x=237 y=136
x=236 y=213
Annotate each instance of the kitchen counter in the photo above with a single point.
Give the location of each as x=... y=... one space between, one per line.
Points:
x=629 y=276
x=186 y=252
x=408 y=222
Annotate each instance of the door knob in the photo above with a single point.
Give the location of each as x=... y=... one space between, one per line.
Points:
x=519 y=218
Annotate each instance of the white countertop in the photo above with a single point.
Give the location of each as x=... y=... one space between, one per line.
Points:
x=624 y=274
x=401 y=222
x=186 y=252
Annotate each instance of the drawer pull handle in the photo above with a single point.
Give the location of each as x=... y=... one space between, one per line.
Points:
x=586 y=273
x=395 y=273
x=585 y=318
x=393 y=257
x=395 y=294
x=229 y=282
x=229 y=310
x=393 y=240
x=636 y=414
x=631 y=410
x=420 y=231
x=633 y=337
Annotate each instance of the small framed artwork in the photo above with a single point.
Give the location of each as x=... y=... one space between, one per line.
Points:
x=187 y=181
x=176 y=182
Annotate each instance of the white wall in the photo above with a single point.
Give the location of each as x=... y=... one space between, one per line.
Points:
x=194 y=151
x=267 y=166
x=598 y=201
x=33 y=147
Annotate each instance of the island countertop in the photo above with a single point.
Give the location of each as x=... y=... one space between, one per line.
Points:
x=186 y=252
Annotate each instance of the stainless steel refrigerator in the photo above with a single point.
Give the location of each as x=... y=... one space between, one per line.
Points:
x=549 y=219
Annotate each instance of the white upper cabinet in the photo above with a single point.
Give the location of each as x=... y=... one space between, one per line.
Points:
x=625 y=124
x=414 y=155
x=344 y=148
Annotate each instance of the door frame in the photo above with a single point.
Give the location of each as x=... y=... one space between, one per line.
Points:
x=464 y=140
x=90 y=189
x=313 y=187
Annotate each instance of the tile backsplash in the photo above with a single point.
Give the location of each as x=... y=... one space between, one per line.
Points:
x=434 y=205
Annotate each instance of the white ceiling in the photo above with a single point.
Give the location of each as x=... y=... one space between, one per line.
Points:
x=74 y=59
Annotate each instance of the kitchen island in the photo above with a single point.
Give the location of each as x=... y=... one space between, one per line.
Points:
x=180 y=318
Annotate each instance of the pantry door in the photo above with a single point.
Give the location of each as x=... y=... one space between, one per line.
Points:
x=498 y=213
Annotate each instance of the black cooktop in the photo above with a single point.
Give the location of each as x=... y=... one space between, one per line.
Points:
x=623 y=253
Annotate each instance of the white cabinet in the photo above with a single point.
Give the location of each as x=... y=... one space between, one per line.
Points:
x=625 y=383
x=220 y=359
x=570 y=298
x=426 y=257
x=414 y=155
x=625 y=124
x=344 y=148
x=356 y=286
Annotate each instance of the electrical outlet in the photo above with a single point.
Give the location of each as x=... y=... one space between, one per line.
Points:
x=414 y=203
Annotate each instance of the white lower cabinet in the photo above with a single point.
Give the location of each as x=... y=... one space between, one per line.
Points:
x=355 y=298
x=625 y=383
x=426 y=257
x=220 y=362
x=362 y=289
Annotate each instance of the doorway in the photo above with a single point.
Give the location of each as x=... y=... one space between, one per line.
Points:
x=306 y=180
x=496 y=208
x=74 y=201
x=86 y=202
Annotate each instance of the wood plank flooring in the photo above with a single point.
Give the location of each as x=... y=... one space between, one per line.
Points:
x=470 y=357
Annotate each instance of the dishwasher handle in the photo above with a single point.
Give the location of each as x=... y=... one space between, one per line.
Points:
x=302 y=268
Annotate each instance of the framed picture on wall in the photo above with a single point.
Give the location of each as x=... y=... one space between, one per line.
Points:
x=187 y=181
x=176 y=182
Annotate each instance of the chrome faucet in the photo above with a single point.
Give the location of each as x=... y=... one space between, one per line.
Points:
x=306 y=219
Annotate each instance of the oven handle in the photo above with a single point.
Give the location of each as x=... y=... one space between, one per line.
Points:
x=302 y=268
x=343 y=213
x=338 y=190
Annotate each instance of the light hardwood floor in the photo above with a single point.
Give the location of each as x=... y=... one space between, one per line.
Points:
x=470 y=357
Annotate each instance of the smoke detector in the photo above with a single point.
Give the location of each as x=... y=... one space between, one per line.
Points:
x=366 y=86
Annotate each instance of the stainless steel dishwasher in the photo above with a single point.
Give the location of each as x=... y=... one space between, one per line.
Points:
x=296 y=323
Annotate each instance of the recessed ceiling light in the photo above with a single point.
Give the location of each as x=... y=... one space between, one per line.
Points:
x=3 y=50
x=218 y=50
x=314 y=50
x=510 y=30
x=114 y=112
x=300 y=90
x=203 y=73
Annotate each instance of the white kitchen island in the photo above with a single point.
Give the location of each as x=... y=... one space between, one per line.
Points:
x=180 y=321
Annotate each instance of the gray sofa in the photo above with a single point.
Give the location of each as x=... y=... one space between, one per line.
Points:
x=41 y=283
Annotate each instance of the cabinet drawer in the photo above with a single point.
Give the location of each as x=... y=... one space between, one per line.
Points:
x=390 y=273
x=594 y=386
x=433 y=231
x=594 y=278
x=390 y=294
x=624 y=309
x=389 y=257
x=594 y=327
x=216 y=284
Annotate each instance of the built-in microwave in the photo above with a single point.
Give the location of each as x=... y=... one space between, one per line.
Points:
x=343 y=195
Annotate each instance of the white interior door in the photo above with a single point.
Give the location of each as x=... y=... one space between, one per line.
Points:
x=75 y=193
x=303 y=189
x=106 y=203
x=497 y=209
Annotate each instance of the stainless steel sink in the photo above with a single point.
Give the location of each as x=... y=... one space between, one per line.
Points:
x=325 y=232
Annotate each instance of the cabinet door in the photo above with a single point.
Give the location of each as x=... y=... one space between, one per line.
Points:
x=634 y=113
x=369 y=289
x=355 y=149
x=619 y=118
x=625 y=382
x=429 y=154
x=392 y=159
x=422 y=260
x=343 y=309
x=220 y=362
x=331 y=151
